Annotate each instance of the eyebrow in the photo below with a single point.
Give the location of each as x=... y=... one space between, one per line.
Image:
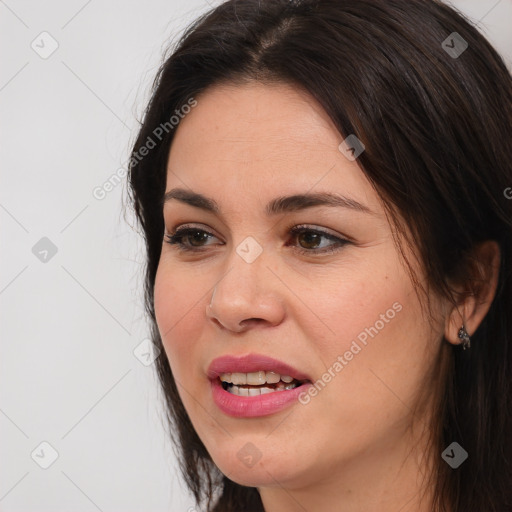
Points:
x=276 y=206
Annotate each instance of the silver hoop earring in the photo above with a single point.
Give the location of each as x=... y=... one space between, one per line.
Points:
x=464 y=337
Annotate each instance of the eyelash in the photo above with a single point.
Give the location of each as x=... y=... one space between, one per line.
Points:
x=176 y=240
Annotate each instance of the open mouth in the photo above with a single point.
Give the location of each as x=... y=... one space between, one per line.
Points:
x=257 y=383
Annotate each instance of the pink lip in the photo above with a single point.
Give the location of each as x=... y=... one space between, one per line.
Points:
x=253 y=406
x=252 y=363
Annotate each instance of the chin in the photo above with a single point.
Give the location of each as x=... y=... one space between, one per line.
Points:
x=246 y=465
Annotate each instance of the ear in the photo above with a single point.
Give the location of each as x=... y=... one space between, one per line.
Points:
x=474 y=297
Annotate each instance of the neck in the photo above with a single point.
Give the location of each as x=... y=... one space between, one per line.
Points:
x=388 y=478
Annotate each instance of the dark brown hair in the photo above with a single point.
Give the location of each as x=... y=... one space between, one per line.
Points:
x=437 y=130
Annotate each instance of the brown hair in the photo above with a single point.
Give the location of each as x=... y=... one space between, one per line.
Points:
x=437 y=130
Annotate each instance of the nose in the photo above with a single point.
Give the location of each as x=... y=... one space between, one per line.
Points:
x=246 y=296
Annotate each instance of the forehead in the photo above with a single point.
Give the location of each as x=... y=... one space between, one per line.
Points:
x=256 y=139
x=263 y=119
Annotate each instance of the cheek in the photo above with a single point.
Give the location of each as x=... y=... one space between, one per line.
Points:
x=378 y=339
x=178 y=312
x=363 y=302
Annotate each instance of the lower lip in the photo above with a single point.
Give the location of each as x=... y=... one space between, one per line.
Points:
x=253 y=406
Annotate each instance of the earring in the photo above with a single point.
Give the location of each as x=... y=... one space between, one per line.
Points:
x=464 y=337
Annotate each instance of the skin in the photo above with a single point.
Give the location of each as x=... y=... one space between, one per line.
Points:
x=354 y=447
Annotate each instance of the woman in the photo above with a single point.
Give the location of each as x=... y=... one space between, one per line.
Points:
x=322 y=190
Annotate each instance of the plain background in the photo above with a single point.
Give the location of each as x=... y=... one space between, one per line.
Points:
x=70 y=321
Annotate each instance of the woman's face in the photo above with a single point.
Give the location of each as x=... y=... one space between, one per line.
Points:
x=333 y=300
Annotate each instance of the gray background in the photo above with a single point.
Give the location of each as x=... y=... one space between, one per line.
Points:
x=72 y=320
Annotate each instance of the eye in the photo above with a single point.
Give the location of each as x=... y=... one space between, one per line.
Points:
x=190 y=239
x=186 y=233
x=312 y=239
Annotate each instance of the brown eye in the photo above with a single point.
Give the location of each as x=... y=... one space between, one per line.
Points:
x=310 y=241
x=193 y=238
x=306 y=240
x=197 y=236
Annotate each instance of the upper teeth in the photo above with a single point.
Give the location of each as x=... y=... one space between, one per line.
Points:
x=255 y=378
